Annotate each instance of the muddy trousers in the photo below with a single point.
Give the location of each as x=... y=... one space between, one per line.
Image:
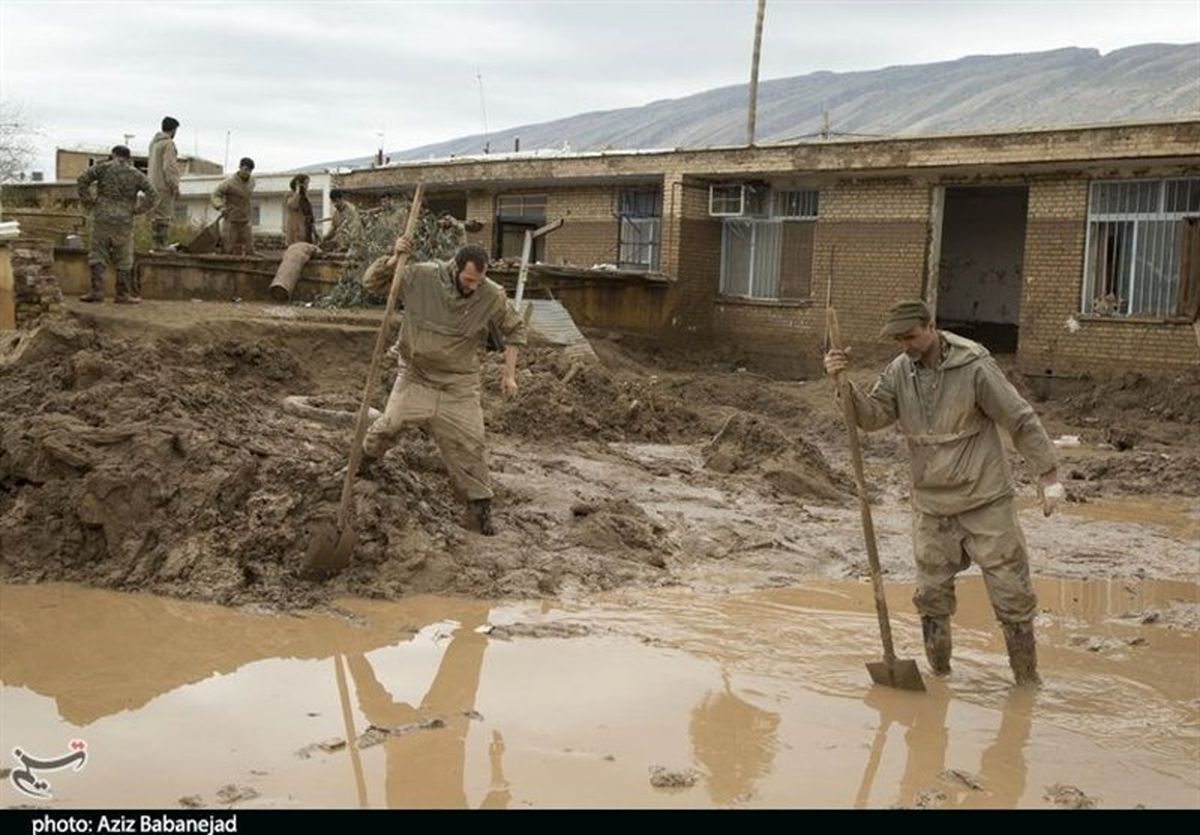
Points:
x=237 y=237
x=454 y=419
x=111 y=244
x=991 y=537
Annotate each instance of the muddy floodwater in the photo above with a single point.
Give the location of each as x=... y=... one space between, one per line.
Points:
x=740 y=699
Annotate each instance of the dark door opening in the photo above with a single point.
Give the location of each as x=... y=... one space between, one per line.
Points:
x=982 y=263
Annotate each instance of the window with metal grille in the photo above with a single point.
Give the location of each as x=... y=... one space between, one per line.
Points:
x=1133 y=264
x=639 y=233
x=799 y=204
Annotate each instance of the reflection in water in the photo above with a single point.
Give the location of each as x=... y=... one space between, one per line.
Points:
x=425 y=768
x=735 y=741
x=1002 y=767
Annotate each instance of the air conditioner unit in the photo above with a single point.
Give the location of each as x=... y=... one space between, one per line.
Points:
x=738 y=200
x=726 y=200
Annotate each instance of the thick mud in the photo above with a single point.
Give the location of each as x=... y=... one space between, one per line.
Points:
x=151 y=450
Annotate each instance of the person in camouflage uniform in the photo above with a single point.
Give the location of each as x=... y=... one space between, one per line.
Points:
x=950 y=398
x=112 y=207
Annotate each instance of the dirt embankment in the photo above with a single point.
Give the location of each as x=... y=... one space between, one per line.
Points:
x=162 y=459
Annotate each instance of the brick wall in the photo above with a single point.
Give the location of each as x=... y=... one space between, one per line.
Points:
x=876 y=233
x=589 y=235
x=35 y=289
x=1054 y=338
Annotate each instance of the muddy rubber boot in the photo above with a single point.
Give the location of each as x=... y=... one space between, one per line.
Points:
x=936 y=632
x=481 y=516
x=124 y=293
x=1022 y=653
x=135 y=285
x=96 y=294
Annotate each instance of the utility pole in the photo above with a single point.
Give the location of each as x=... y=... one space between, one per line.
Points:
x=753 y=103
x=225 y=165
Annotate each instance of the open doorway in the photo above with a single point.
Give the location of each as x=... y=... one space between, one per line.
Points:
x=981 y=264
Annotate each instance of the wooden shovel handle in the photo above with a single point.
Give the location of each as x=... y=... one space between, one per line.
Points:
x=847 y=400
x=360 y=424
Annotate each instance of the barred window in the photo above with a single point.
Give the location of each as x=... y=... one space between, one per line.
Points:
x=1135 y=262
x=640 y=231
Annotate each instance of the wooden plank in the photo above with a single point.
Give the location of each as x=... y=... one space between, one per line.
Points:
x=8 y=299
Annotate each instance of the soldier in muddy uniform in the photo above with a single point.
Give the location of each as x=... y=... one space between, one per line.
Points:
x=232 y=199
x=950 y=397
x=113 y=206
x=449 y=307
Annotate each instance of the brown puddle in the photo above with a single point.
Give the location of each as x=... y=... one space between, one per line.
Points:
x=1179 y=518
x=762 y=694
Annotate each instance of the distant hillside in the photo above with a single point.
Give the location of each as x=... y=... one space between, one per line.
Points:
x=1063 y=87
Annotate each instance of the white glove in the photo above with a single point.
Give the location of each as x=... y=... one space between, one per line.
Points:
x=1052 y=497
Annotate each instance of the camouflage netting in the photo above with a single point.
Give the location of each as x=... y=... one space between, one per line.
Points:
x=375 y=234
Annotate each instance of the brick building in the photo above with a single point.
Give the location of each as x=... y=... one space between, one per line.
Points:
x=1077 y=249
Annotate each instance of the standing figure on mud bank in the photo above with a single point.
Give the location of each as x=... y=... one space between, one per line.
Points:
x=232 y=199
x=449 y=307
x=112 y=207
x=163 y=173
x=298 y=220
x=949 y=397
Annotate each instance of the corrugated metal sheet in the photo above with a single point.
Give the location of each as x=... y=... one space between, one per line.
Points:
x=551 y=323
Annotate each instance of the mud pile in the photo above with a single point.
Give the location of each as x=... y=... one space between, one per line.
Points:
x=1175 y=473
x=565 y=400
x=749 y=444
x=1130 y=398
x=168 y=464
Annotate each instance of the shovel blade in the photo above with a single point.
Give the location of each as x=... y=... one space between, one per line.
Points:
x=903 y=675
x=329 y=550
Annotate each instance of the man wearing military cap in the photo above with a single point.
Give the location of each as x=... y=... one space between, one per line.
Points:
x=949 y=398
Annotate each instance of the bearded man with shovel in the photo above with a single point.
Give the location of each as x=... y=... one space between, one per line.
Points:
x=449 y=308
x=950 y=398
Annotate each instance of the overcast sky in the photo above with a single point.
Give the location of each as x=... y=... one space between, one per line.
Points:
x=295 y=83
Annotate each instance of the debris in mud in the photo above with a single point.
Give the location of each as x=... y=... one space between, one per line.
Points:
x=550 y=629
x=375 y=734
x=1139 y=473
x=1069 y=797
x=331 y=745
x=1093 y=643
x=956 y=776
x=1178 y=614
x=791 y=464
x=929 y=799
x=192 y=801
x=231 y=793
x=562 y=400
x=474 y=715
x=619 y=526
x=671 y=778
x=1139 y=397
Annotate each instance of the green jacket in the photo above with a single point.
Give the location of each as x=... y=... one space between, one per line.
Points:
x=950 y=415
x=443 y=333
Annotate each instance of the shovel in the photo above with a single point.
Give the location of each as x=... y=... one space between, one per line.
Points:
x=331 y=543
x=891 y=671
